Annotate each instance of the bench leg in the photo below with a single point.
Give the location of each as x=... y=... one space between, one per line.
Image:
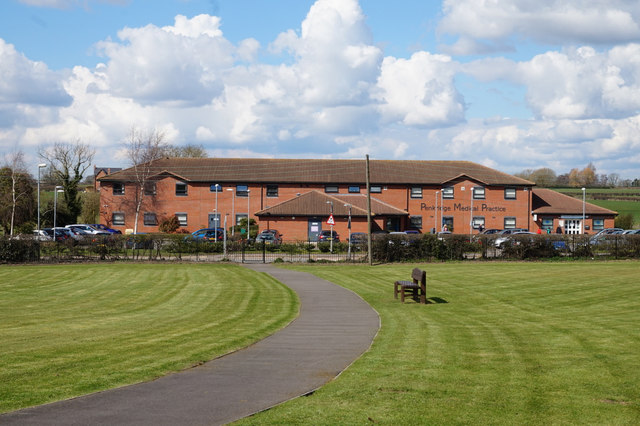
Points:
x=395 y=290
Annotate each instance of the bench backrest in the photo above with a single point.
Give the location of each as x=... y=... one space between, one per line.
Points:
x=419 y=276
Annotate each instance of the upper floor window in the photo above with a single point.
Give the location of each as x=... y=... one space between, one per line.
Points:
x=416 y=192
x=447 y=193
x=149 y=188
x=242 y=190
x=478 y=192
x=354 y=189
x=118 y=188
x=375 y=189
x=509 y=193
x=272 y=191
x=215 y=187
x=331 y=188
x=181 y=188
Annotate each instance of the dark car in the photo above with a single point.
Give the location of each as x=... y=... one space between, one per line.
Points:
x=208 y=234
x=269 y=236
x=358 y=238
x=326 y=236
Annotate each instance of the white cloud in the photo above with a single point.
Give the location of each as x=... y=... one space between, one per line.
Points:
x=420 y=91
x=483 y=25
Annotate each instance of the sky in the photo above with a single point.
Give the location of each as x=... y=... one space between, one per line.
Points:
x=510 y=84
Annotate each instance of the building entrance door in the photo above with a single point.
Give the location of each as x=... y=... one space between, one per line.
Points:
x=315 y=226
x=573 y=226
x=214 y=220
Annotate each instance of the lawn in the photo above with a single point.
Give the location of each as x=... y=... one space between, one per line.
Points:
x=506 y=343
x=69 y=330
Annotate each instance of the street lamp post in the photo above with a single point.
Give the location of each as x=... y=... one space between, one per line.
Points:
x=55 y=208
x=233 y=215
x=40 y=166
x=583 y=208
x=435 y=225
x=248 y=215
x=331 y=227
x=471 y=216
x=349 y=228
x=215 y=214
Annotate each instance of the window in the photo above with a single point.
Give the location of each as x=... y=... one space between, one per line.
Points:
x=415 y=222
x=478 y=222
x=149 y=188
x=547 y=224
x=118 y=188
x=117 y=218
x=181 y=189
x=478 y=192
x=242 y=190
x=509 y=193
x=215 y=187
x=447 y=223
x=598 y=224
x=354 y=189
x=150 y=219
x=241 y=218
x=182 y=219
x=272 y=191
x=331 y=188
x=447 y=193
x=509 y=222
x=375 y=189
x=416 y=192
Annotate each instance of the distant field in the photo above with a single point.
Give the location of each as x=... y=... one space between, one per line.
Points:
x=621 y=200
x=502 y=344
x=69 y=330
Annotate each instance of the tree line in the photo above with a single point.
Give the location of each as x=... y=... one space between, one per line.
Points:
x=65 y=182
x=577 y=178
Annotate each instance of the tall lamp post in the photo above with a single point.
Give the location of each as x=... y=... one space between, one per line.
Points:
x=471 y=216
x=331 y=227
x=215 y=214
x=435 y=225
x=55 y=208
x=248 y=216
x=40 y=167
x=583 y=208
x=233 y=215
x=349 y=228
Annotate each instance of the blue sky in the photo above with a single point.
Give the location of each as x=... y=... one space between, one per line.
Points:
x=513 y=85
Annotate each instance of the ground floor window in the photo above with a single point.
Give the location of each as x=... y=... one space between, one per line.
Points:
x=509 y=222
x=547 y=224
x=415 y=222
x=598 y=224
x=150 y=219
x=447 y=223
x=117 y=218
x=478 y=222
x=182 y=219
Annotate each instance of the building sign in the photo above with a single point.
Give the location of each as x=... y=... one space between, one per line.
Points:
x=459 y=207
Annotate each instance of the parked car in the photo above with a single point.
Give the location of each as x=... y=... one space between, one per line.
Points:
x=511 y=231
x=326 y=236
x=490 y=231
x=42 y=235
x=357 y=238
x=70 y=233
x=208 y=234
x=102 y=227
x=511 y=238
x=269 y=236
x=87 y=229
x=60 y=236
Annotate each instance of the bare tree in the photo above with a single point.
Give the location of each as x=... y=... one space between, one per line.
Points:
x=187 y=151
x=69 y=162
x=17 y=191
x=143 y=147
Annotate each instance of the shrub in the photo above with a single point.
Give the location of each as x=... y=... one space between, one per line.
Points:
x=169 y=225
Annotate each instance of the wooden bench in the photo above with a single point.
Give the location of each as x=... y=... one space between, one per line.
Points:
x=417 y=287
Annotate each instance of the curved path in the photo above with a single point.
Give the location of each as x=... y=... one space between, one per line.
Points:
x=335 y=327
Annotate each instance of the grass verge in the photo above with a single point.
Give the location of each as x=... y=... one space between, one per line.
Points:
x=69 y=330
x=502 y=343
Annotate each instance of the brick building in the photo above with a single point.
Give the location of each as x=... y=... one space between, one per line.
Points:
x=297 y=196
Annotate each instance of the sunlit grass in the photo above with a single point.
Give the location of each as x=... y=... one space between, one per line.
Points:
x=74 y=329
x=515 y=343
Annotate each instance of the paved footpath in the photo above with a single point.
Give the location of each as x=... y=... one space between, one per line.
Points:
x=335 y=327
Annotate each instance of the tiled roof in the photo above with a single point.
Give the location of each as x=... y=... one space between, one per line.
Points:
x=547 y=201
x=315 y=203
x=259 y=170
